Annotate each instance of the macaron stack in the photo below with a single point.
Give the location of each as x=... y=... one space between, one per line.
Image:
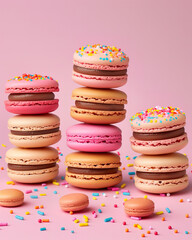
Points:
x=34 y=129
x=98 y=68
x=157 y=134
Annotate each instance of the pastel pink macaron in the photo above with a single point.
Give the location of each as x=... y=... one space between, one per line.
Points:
x=100 y=66
x=158 y=130
x=94 y=138
x=31 y=94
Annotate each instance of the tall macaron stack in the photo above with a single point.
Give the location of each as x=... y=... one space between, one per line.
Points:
x=158 y=133
x=34 y=129
x=98 y=68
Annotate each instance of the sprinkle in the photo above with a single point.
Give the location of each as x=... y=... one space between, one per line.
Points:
x=148 y=232
x=3 y=145
x=126 y=230
x=3 y=224
x=163 y=219
x=56 y=183
x=11 y=211
x=123 y=185
x=42 y=194
x=102 y=204
x=117 y=192
x=124 y=223
x=162 y=194
x=104 y=194
x=187 y=215
x=168 y=194
x=62 y=228
x=43 y=229
x=41 y=213
x=136 y=218
x=139 y=226
x=28 y=191
x=95 y=194
x=45 y=220
x=44 y=184
x=19 y=217
x=34 y=196
x=115 y=205
x=108 y=219
x=188 y=200
x=135 y=225
x=142 y=235
x=94 y=198
x=39 y=220
x=131 y=173
x=145 y=196
x=130 y=165
x=27 y=213
x=159 y=213
x=35 y=190
x=186 y=232
x=76 y=221
x=45 y=187
x=71 y=212
x=134 y=157
x=155 y=233
x=55 y=192
x=99 y=210
x=36 y=207
x=10 y=183
x=72 y=231
x=83 y=224
x=169 y=227
x=181 y=200
x=175 y=231
x=168 y=210
x=115 y=189
x=113 y=220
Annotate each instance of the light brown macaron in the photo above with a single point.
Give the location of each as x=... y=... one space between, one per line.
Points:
x=98 y=106
x=93 y=170
x=34 y=131
x=11 y=197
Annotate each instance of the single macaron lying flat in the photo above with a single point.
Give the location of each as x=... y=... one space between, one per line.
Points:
x=11 y=198
x=74 y=202
x=93 y=170
x=31 y=94
x=161 y=173
x=34 y=131
x=158 y=130
x=93 y=138
x=100 y=66
x=139 y=207
x=98 y=106
x=32 y=165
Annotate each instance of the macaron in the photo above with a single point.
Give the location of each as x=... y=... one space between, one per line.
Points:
x=11 y=198
x=34 y=131
x=158 y=130
x=98 y=106
x=161 y=173
x=93 y=138
x=35 y=165
x=93 y=170
x=74 y=202
x=139 y=207
x=100 y=66
x=31 y=94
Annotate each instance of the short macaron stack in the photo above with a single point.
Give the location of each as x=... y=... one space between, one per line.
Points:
x=34 y=129
x=98 y=68
x=157 y=134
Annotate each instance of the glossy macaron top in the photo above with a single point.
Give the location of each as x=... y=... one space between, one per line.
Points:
x=161 y=163
x=31 y=83
x=89 y=130
x=27 y=156
x=158 y=119
x=98 y=56
x=33 y=122
x=74 y=202
x=93 y=160
x=106 y=96
x=10 y=196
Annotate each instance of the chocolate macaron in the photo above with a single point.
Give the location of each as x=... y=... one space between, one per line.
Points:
x=34 y=131
x=98 y=106
x=93 y=170
x=161 y=173
x=32 y=165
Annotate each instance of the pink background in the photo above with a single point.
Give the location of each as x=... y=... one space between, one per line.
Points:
x=41 y=36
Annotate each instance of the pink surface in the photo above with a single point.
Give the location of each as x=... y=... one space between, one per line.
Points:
x=157 y=38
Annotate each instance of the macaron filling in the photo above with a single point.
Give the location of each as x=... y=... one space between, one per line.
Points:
x=159 y=135
x=99 y=72
x=19 y=167
x=92 y=171
x=99 y=106
x=31 y=96
x=161 y=175
x=39 y=132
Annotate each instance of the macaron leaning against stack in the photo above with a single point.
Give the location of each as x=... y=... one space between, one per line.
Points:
x=31 y=94
x=34 y=131
x=98 y=106
x=93 y=170
x=161 y=173
x=100 y=66
x=32 y=165
x=158 y=130
x=93 y=138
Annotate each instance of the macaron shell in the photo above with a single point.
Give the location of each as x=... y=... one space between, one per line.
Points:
x=163 y=186
x=93 y=181
x=96 y=116
x=31 y=107
x=35 y=176
x=159 y=146
x=11 y=197
x=36 y=141
x=99 y=81
x=74 y=202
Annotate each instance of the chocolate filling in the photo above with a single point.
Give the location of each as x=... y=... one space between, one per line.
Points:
x=92 y=171
x=97 y=72
x=159 y=135
x=31 y=96
x=161 y=176
x=99 y=106
x=29 y=133
x=18 y=167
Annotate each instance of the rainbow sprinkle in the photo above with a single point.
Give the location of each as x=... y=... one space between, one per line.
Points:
x=30 y=77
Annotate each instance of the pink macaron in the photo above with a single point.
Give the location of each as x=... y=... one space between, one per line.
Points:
x=93 y=138
x=158 y=130
x=31 y=94
x=100 y=66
